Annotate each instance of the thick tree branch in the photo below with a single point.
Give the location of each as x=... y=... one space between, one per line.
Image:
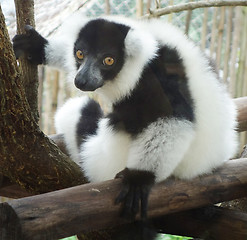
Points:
x=194 y=5
x=24 y=16
x=27 y=156
x=91 y=206
x=205 y=223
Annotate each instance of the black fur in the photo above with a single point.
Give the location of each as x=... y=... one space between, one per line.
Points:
x=161 y=92
x=88 y=122
x=169 y=70
x=31 y=44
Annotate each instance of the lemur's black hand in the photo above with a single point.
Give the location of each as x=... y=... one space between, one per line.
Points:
x=31 y=44
x=136 y=188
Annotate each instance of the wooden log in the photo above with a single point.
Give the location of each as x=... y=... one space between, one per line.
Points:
x=10 y=190
x=205 y=223
x=11 y=223
x=91 y=206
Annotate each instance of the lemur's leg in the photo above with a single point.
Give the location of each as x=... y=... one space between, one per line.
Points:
x=77 y=119
x=153 y=156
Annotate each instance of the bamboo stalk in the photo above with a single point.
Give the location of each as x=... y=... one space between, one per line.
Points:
x=204 y=29
x=40 y=94
x=235 y=47
x=139 y=8
x=188 y=20
x=171 y=3
x=148 y=6
x=107 y=7
x=214 y=32
x=243 y=49
x=228 y=44
x=220 y=37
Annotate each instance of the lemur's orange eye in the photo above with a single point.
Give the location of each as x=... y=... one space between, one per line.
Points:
x=79 y=54
x=108 y=61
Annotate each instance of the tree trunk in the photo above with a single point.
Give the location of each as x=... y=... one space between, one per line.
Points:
x=25 y=16
x=27 y=156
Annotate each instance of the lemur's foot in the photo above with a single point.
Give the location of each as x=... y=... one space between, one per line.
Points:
x=136 y=188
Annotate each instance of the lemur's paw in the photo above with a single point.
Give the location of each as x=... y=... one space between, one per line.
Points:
x=136 y=188
x=31 y=45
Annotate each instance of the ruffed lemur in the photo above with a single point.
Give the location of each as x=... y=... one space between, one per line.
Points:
x=170 y=115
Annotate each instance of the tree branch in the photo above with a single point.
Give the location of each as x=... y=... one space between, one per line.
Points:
x=194 y=5
x=87 y=206
x=205 y=223
x=24 y=16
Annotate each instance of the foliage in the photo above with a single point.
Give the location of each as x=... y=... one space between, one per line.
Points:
x=171 y=237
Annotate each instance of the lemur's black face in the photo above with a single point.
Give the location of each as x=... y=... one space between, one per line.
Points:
x=99 y=53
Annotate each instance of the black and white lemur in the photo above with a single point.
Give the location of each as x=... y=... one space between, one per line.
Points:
x=170 y=115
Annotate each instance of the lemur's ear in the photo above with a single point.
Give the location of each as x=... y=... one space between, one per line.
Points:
x=123 y=29
x=137 y=40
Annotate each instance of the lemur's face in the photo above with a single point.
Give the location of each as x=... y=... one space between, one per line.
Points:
x=99 y=52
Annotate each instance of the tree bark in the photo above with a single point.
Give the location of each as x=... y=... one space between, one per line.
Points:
x=27 y=156
x=25 y=16
x=91 y=206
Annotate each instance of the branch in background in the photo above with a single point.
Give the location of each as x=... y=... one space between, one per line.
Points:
x=194 y=5
x=86 y=206
x=241 y=104
x=205 y=223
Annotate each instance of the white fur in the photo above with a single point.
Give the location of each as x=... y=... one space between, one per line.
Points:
x=168 y=146
x=66 y=120
x=105 y=154
x=161 y=146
